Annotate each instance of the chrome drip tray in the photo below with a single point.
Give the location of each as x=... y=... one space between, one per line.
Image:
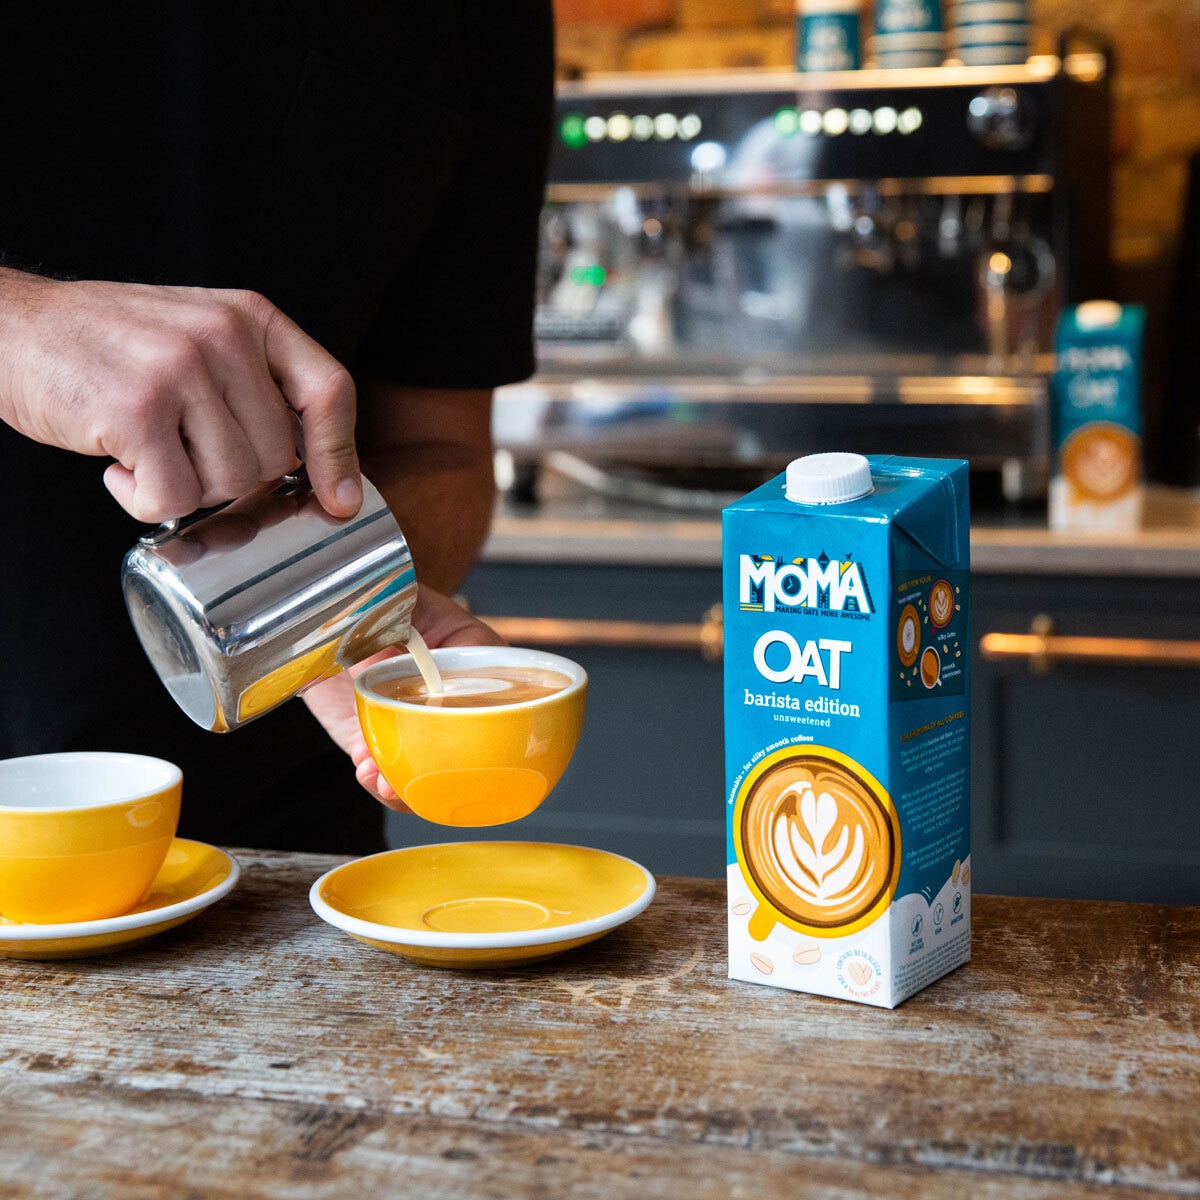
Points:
x=683 y=488
x=678 y=429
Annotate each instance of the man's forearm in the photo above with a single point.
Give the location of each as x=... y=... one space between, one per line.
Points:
x=429 y=453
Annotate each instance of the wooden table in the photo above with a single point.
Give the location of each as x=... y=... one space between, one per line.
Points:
x=256 y=1051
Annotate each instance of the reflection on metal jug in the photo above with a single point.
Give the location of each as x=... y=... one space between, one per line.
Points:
x=240 y=609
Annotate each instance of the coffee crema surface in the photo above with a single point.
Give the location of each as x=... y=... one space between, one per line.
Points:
x=479 y=687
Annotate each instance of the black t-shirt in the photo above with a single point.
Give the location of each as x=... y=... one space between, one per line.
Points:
x=376 y=171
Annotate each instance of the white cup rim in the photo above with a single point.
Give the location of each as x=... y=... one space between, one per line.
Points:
x=161 y=774
x=404 y=665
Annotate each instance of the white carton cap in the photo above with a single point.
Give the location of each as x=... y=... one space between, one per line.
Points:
x=1097 y=314
x=828 y=478
x=812 y=8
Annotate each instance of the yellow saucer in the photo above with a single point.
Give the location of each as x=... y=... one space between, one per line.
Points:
x=193 y=876
x=482 y=904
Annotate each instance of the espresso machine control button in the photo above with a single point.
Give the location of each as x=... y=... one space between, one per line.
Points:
x=999 y=119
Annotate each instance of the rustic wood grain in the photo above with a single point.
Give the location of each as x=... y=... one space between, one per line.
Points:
x=256 y=1051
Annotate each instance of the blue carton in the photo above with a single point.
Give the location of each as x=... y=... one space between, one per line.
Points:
x=847 y=729
x=1096 y=418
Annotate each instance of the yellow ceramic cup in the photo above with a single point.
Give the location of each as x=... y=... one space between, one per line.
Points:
x=83 y=834
x=472 y=766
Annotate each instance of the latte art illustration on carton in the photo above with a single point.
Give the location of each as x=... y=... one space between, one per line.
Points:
x=941 y=603
x=931 y=668
x=1101 y=462
x=846 y=693
x=908 y=638
x=820 y=843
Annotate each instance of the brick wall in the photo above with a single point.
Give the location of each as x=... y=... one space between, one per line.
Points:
x=1156 y=45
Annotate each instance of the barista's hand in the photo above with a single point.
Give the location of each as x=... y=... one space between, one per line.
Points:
x=440 y=622
x=188 y=389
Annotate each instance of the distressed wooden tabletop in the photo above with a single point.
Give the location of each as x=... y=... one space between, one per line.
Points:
x=256 y=1051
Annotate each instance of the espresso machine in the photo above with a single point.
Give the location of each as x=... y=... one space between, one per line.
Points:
x=738 y=269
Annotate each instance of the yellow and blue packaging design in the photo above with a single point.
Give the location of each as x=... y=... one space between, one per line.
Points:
x=846 y=598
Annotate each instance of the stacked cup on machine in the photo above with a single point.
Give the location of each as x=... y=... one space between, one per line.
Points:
x=908 y=33
x=990 y=32
x=827 y=35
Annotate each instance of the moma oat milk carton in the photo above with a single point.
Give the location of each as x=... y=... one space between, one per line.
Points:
x=846 y=727
x=1096 y=418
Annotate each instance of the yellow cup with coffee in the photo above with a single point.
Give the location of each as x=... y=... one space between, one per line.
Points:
x=83 y=834
x=488 y=749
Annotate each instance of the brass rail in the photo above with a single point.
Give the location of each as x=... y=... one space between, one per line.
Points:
x=1043 y=649
x=706 y=636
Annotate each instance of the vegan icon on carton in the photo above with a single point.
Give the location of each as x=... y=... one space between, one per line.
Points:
x=846 y=594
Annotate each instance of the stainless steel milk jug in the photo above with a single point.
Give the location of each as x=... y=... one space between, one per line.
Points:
x=240 y=609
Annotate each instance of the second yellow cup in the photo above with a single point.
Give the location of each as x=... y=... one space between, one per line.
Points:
x=490 y=750
x=82 y=833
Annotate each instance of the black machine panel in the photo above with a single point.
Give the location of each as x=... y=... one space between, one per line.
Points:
x=789 y=135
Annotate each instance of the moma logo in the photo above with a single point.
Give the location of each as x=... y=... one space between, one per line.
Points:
x=770 y=585
x=1095 y=358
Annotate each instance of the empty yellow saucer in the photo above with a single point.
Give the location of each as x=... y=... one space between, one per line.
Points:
x=193 y=876
x=482 y=904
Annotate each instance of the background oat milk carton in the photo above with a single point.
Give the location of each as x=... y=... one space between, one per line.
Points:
x=846 y=727
x=1096 y=418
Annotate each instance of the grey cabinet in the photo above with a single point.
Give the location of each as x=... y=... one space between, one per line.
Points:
x=1084 y=775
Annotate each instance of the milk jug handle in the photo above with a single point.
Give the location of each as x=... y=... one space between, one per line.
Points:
x=294 y=481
